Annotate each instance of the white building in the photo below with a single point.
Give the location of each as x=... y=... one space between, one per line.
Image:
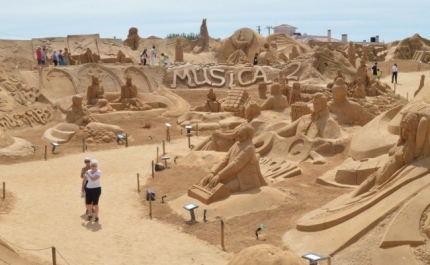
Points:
x=286 y=29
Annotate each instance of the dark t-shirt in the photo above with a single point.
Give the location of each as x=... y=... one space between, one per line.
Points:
x=255 y=60
x=375 y=70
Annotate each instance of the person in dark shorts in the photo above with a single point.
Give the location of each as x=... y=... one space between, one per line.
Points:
x=256 y=59
x=375 y=70
x=87 y=167
x=93 y=189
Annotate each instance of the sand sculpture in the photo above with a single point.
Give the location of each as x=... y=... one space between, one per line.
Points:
x=31 y=118
x=421 y=85
x=6 y=102
x=294 y=141
x=295 y=93
x=133 y=39
x=400 y=184
x=352 y=57
x=89 y=56
x=407 y=47
x=298 y=109
x=276 y=101
x=359 y=89
x=78 y=114
x=96 y=97
x=262 y=90
x=241 y=49
x=238 y=171
x=179 y=51
x=120 y=57
x=129 y=96
x=362 y=73
x=267 y=56
x=203 y=41
x=346 y=111
x=68 y=57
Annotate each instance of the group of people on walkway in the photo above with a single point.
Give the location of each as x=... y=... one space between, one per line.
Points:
x=57 y=58
x=91 y=188
x=163 y=61
x=378 y=73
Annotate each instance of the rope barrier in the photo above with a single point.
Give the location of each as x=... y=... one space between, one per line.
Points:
x=146 y=173
x=28 y=249
x=178 y=142
x=234 y=237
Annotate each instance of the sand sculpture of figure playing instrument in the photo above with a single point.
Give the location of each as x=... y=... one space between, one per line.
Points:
x=399 y=187
x=129 y=96
x=96 y=99
x=239 y=171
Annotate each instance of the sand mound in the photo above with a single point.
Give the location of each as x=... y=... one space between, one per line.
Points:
x=5 y=139
x=9 y=256
x=266 y=254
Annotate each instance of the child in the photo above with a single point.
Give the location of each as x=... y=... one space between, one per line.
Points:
x=54 y=58
x=256 y=59
x=379 y=74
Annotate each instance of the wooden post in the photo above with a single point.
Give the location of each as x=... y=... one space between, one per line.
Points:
x=46 y=152
x=222 y=234
x=83 y=145
x=407 y=96
x=329 y=260
x=4 y=190
x=197 y=129
x=126 y=140
x=189 y=140
x=152 y=168
x=157 y=154
x=150 y=206
x=394 y=88
x=54 y=257
x=138 y=184
x=164 y=148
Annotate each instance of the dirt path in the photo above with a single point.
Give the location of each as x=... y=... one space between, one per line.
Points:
x=49 y=212
x=408 y=82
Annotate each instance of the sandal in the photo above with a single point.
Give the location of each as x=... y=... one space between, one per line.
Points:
x=96 y=220
x=89 y=218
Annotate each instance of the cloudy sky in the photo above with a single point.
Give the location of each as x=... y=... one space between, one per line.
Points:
x=390 y=19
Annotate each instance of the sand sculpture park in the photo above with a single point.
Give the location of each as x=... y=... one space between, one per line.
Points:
x=305 y=152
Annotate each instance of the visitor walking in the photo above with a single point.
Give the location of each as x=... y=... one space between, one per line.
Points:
x=93 y=189
x=375 y=69
x=61 y=59
x=143 y=57
x=39 y=57
x=87 y=167
x=153 y=55
x=394 y=71
x=379 y=74
x=256 y=59
x=54 y=58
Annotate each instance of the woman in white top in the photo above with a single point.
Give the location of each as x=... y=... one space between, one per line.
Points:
x=394 y=71
x=93 y=189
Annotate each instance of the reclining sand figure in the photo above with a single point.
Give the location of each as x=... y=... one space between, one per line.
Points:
x=412 y=145
x=239 y=170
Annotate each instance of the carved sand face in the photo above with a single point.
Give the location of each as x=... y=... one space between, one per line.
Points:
x=96 y=80
x=6 y=102
x=319 y=104
x=241 y=136
x=404 y=130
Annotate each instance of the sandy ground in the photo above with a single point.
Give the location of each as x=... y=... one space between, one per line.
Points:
x=48 y=211
x=408 y=82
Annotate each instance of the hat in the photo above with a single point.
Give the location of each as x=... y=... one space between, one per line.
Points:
x=87 y=159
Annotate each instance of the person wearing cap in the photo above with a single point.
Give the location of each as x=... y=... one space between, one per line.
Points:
x=93 y=189
x=87 y=167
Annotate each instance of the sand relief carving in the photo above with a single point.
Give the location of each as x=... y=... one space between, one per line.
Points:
x=110 y=80
x=190 y=74
x=6 y=102
x=129 y=97
x=212 y=103
x=203 y=41
x=240 y=55
x=133 y=39
x=96 y=99
x=239 y=171
x=267 y=57
x=299 y=109
x=362 y=73
x=20 y=91
x=140 y=78
x=32 y=117
x=276 y=101
x=346 y=111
